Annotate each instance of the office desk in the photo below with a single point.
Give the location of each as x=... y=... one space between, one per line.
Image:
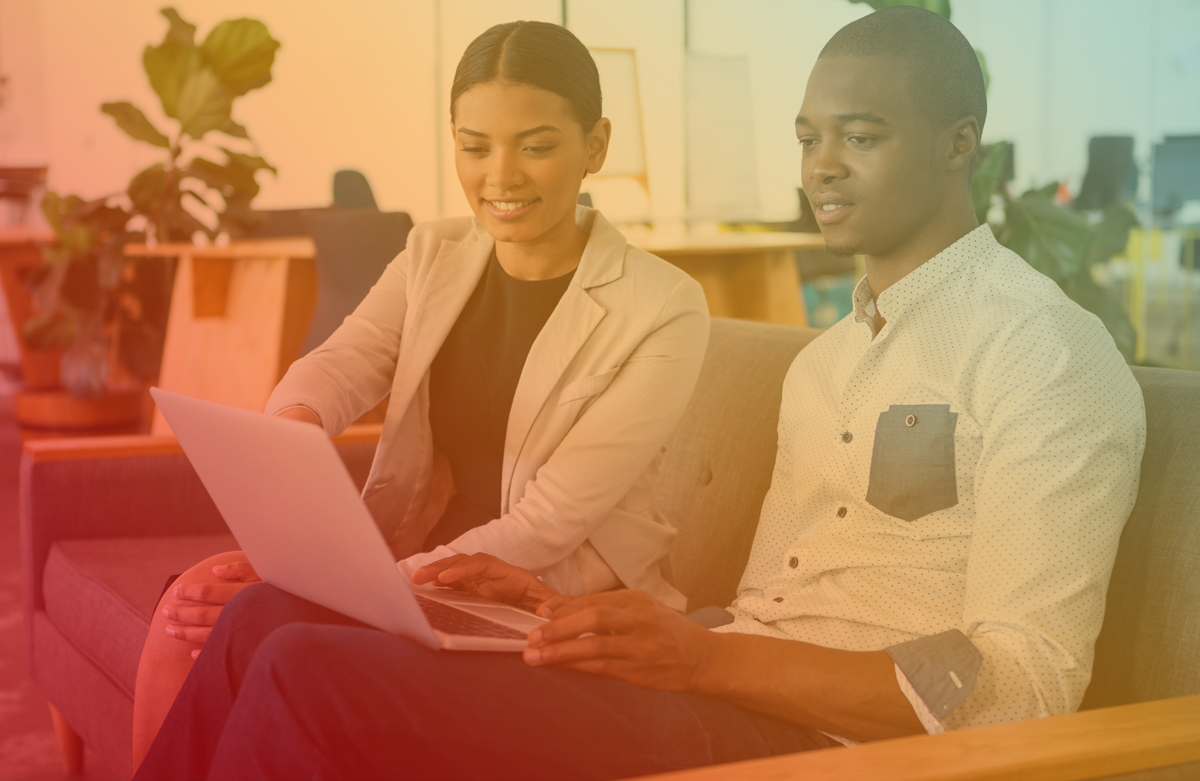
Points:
x=749 y=276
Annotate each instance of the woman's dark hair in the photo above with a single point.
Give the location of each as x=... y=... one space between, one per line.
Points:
x=539 y=54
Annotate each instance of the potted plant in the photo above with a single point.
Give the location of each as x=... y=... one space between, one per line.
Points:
x=108 y=312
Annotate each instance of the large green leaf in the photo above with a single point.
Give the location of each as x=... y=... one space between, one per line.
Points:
x=1112 y=234
x=131 y=119
x=169 y=64
x=1083 y=290
x=147 y=188
x=241 y=53
x=231 y=128
x=204 y=103
x=989 y=167
x=1051 y=238
x=248 y=162
x=178 y=31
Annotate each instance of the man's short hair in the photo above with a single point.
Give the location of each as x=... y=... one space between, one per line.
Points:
x=947 y=81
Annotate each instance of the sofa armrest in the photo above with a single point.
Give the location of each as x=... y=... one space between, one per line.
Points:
x=1089 y=744
x=133 y=486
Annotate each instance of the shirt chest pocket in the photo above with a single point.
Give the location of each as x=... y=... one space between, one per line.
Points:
x=587 y=387
x=912 y=462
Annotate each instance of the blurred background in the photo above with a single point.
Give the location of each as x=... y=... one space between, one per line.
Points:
x=194 y=196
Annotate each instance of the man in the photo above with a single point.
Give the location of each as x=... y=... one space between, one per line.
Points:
x=956 y=461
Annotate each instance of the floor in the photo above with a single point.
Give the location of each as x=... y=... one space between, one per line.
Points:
x=28 y=750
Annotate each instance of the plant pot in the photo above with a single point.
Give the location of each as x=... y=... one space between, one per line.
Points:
x=20 y=254
x=59 y=410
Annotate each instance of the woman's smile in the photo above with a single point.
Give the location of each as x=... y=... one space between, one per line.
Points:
x=509 y=209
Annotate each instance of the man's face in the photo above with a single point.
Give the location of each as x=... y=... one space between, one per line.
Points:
x=870 y=163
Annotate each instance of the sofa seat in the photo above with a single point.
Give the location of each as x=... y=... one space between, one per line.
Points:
x=101 y=593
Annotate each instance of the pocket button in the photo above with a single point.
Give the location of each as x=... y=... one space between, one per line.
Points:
x=910 y=421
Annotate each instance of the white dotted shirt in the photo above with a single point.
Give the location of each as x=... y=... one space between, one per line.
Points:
x=970 y=468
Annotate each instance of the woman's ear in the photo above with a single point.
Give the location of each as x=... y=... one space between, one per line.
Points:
x=597 y=145
x=964 y=143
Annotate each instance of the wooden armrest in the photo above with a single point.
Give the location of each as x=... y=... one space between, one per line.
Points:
x=1088 y=744
x=88 y=448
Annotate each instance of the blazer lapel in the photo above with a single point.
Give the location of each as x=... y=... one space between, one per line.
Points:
x=564 y=334
x=451 y=280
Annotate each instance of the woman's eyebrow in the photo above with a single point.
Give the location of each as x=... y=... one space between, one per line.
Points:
x=530 y=132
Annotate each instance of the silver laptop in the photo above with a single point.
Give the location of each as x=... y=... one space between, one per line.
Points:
x=291 y=504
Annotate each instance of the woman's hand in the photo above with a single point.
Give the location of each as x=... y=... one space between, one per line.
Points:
x=192 y=608
x=628 y=635
x=490 y=577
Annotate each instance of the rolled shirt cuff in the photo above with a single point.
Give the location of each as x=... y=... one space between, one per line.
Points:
x=937 y=671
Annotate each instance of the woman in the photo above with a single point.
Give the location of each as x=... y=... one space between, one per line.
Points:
x=535 y=363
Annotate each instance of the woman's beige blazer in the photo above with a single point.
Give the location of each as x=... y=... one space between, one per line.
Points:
x=604 y=384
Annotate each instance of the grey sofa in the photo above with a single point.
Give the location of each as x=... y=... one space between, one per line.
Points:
x=104 y=522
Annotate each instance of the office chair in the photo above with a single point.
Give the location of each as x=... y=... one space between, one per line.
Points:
x=1111 y=176
x=1176 y=177
x=352 y=191
x=353 y=248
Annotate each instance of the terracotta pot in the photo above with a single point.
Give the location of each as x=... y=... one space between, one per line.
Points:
x=20 y=254
x=59 y=410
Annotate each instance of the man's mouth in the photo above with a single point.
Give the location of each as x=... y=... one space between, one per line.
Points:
x=831 y=212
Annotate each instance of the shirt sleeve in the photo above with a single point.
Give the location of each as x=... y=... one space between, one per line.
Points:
x=937 y=673
x=1056 y=480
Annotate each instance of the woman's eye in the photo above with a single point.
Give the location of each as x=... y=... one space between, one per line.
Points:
x=473 y=150
x=539 y=149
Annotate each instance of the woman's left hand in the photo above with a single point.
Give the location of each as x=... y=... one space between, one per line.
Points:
x=490 y=577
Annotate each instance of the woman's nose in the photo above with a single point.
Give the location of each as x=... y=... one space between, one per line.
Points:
x=504 y=173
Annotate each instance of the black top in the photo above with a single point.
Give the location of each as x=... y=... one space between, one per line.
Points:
x=471 y=387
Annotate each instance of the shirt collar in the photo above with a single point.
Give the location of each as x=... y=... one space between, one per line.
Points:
x=919 y=282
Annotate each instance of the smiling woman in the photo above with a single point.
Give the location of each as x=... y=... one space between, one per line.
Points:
x=535 y=363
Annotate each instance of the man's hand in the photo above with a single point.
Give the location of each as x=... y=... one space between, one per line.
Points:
x=630 y=635
x=490 y=577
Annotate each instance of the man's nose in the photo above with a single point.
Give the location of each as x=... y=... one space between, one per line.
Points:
x=826 y=164
x=504 y=173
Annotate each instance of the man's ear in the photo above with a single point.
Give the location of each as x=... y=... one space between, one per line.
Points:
x=597 y=145
x=964 y=143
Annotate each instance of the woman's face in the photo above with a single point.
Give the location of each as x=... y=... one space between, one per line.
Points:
x=521 y=156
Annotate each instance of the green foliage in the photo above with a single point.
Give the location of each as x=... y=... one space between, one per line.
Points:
x=88 y=292
x=1058 y=241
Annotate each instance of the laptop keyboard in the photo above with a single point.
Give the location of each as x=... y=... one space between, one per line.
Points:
x=453 y=621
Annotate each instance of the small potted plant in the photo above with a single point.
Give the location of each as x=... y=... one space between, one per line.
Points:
x=108 y=312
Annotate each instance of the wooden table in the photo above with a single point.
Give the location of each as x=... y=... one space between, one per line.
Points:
x=238 y=317
x=746 y=275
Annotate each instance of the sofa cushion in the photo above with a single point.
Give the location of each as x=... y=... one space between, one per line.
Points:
x=101 y=593
x=1149 y=646
x=720 y=458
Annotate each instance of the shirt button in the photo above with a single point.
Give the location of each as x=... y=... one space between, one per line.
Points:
x=911 y=420
x=841 y=512
x=793 y=562
x=778 y=599
x=847 y=436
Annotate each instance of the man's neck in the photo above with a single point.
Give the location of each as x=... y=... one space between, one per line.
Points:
x=886 y=269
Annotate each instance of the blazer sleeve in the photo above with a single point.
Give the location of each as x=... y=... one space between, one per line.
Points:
x=611 y=444
x=352 y=370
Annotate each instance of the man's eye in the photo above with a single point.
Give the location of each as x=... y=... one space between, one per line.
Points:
x=808 y=143
x=860 y=140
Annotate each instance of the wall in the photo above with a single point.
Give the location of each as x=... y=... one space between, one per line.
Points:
x=364 y=84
